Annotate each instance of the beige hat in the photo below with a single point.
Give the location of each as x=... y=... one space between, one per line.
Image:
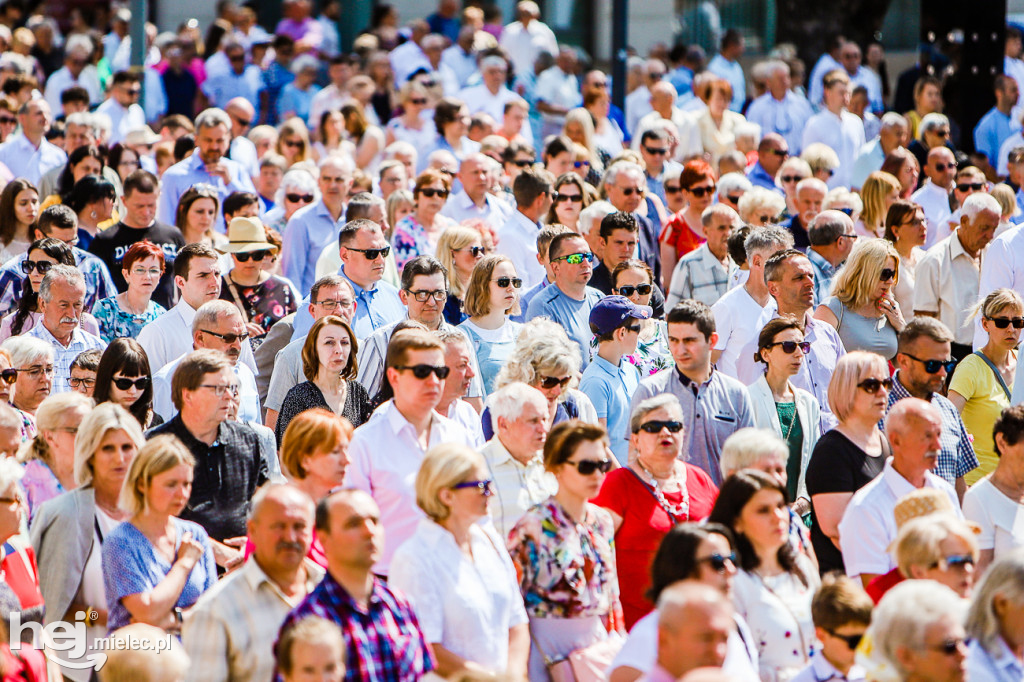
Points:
x=143 y=135
x=246 y=234
x=923 y=502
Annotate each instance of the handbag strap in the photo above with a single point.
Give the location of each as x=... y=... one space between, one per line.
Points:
x=239 y=303
x=995 y=372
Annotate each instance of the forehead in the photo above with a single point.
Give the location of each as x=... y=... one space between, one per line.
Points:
x=425 y=281
x=425 y=357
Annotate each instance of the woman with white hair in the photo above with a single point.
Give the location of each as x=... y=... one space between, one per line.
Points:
x=731 y=188
x=760 y=207
x=50 y=456
x=457 y=573
x=296 y=97
x=994 y=624
x=791 y=172
x=298 y=189
x=33 y=360
x=938 y=547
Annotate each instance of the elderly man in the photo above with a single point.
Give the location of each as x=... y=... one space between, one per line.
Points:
x=638 y=102
x=61 y=300
x=914 y=430
x=525 y=39
x=704 y=273
x=77 y=70
x=28 y=154
x=218 y=325
x=933 y=195
x=772 y=151
x=947 y=278
x=663 y=108
x=242 y=114
x=831 y=237
x=460 y=359
x=695 y=623
x=492 y=94
x=810 y=193
x=517 y=239
x=780 y=110
x=892 y=134
x=229 y=633
x=473 y=200
x=625 y=184
x=208 y=165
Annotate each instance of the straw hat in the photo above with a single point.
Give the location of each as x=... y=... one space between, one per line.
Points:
x=246 y=234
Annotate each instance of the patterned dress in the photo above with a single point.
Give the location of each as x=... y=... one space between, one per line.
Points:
x=410 y=239
x=265 y=303
x=116 y=322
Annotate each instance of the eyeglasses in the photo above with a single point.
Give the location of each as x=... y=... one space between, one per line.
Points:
x=152 y=272
x=629 y=289
x=75 y=382
x=630 y=191
x=227 y=338
x=219 y=389
x=330 y=304
x=886 y=275
x=256 y=256
x=852 y=236
x=718 y=562
x=941 y=167
x=580 y=164
x=872 y=385
x=656 y=151
x=576 y=258
x=36 y=371
x=422 y=295
x=296 y=198
x=1004 y=322
x=933 y=366
x=672 y=189
x=522 y=163
x=133 y=92
x=791 y=178
x=294 y=144
x=549 y=383
x=954 y=561
x=975 y=186
x=430 y=193
x=789 y=347
x=952 y=646
x=852 y=641
x=701 y=191
x=574 y=198
x=475 y=251
x=373 y=254
x=483 y=486
x=504 y=282
x=124 y=384
x=9 y=375
x=656 y=425
x=914 y=221
x=43 y=266
x=423 y=371
x=588 y=466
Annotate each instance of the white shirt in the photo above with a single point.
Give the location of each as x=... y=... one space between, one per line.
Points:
x=465 y=604
x=935 y=202
x=465 y=415
x=1012 y=142
x=243 y=151
x=517 y=239
x=524 y=44
x=1004 y=268
x=26 y=161
x=690 y=143
x=946 y=281
x=169 y=336
x=1000 y=518
x=61 y=80
x=248 y=395
x=786 y=117
x=391 y=480
x=820 y=670
x=868 y=525
x=638 y=105
x=478 y=98
x=559 y=88
x=122 y=120
x=463 y=64
x=495 y=212
x=844 y=134
x=406 y=59
x=816 y=88
x=733 y=315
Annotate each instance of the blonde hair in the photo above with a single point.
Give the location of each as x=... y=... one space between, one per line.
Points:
x=138 y=653
x=586 y=122
x=877 y=186
x=295 y=126
x=998 y=300
x=311 y=629
x=159 y=455
x=443 y=467
x=819 y=157
x=1003 y=193
x=917 y=543
x=760 y=201
x=91 y=432
x=452 y=239
x=51 y=415
x=851 y=369
x=855 y=284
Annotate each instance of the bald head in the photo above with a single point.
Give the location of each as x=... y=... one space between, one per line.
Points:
x=940 y=167
x=914 y=427
x=280 y=496
x=694 y=624
x=241 y=106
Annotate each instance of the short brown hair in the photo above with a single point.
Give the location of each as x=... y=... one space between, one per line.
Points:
x=478 y=292
x=190 y=372
x=310 y=433
x=1011 y=425
x=838 y=602
x=310 y=358
x=923 y=326
x=768 y=333
x=530 y=184
x=566 y=436
x=410 y=339
x=429 y=177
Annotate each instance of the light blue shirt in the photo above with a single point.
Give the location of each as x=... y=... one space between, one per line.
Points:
x=224 y=87
x=610 y=389
x=573 y=315
x=984 y=667
x=297 y=101
x=310 y=230
x=732 y=72
x=192 y=171
x=787 y=117
x=990 y=133
x=524 y=302
x=375 y=308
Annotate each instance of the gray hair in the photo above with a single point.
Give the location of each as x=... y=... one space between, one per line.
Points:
x=764 y=239
x=811 y=183
x=60 y=273
x=25 y=350
x=78 y=43
x=345 y=163
x=747 y=129
x=748 y=446
x=930 y=122
x=491 y=62
x=211 y=118
x=978 y=202
x=89 y=120
x=1004 y=578
x=891 y=119
x=593 y=215
x=303 y=62
x=508 y=401
x=665 y=401
x=11 y=470
x=623 y=167
x=731 y=182
x=775 y=65
x=827 y=227
x=301 y=180
x=264 y=491
x=211 y=311
x=401 y=147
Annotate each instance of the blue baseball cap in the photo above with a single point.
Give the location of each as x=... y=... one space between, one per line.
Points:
x=611 y=311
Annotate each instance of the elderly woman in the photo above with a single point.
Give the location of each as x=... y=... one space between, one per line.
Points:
x=562 y=550
x=993 y=623
x=845 y=201
x=417 y=234
x=656 y=491
x=50 y=457
x=846 y=458
x=410 y=126
x=127 y=313
x=917 y=635
x=684 y=231
x=568 y=201
x=298 y=189
x=791 y=172
x=33 y=360
x=717 y=124
x=156 y=565
x=731 y=188
x=907 y=229
x=472 y=623
x=329 y=365
x=879 y=192
x=789 y=412
x=774 y=587
x=634 y=280
x=862 y=306
x=491 y=297
x=459 y=249
x=822 y=160
x=69 y=531
x=938 y=547
x=123 y=377
x=760 y=207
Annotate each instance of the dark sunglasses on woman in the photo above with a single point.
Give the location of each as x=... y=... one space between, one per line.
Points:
x=588 y=466
x=628 y=290
x=9 y=375
x=43 y=266
x=124 y=384
x=256 y=256
x=1004 y=322
x=872 y=385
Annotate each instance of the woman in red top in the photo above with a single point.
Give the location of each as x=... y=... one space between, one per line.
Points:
x=647 y=498
x=18 y=569
x=684 y=231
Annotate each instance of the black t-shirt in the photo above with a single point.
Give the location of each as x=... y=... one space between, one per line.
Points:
x=111 y=244
x=837 y=466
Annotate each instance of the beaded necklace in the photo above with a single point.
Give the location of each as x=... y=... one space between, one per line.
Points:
x=673 y=510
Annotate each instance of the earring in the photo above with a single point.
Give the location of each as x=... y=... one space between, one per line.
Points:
x=94 y=214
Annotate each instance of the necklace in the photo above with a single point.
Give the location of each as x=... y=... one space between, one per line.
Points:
x=792 y=422
x=673 y=510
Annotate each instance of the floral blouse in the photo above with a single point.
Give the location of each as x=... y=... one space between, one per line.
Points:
x=652 y=355
x=567 y=570
x=265 y=303
x=115 y=322
x=410 y=239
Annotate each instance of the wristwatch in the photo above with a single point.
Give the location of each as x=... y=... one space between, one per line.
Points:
x=179 y=618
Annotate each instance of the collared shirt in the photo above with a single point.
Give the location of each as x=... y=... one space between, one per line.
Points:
x=946 y=281
x=192 y=171
x=816 y=85
x=228 y=631
x=375 y=308
x=733 y=313
x=525 y=43
x=1004 y=268
x=824 y=272
x=689 y=142
x=391 y=480
x=956 y=458
x=460 y=207
x=61 y=79
x=610 y=387
x=169 y=336
x=820 y=670
x=759 y=177
x=701 y=276
x=786 y=117
x=844 y=133
x=224 y=87
x=992 y=130
x=732 y=72
x=712 y=411
x=557 y=87
x=248 y=395
x=517 y=486
x=934 y=200
x=383 y=642
x=63 y=356
x=24 y=160
x=517 y=239
x=573 y=315
x=123 y=119
x=479 y=99
x=243 y=151
x=226 y=475
x=309 y=231
x=868 y=525
x=98 y=283
x=982 y=666
x=869 y=160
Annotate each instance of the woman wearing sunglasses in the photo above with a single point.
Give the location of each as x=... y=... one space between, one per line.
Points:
x=775 y=585
x=50 y=458
x=459 y=249
x=791 y=413
x=123 y=377
x=684 y=231
x=570 y=198
x=634 y=280
x=491 y=297
x=329 y=365
x=562 y=550
x=417 y=234
x=457 y=573
x=655 y=492
x=127 y=313
x=992 y=620
x=982 y=383
x=410 y=126
x=907 y=229
x=939 y=547
x=862 y=306
x=293 y=142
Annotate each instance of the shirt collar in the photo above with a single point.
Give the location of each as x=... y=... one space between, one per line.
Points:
x=75 y=335
x=187 y=312
x=824 y=671
x=355 y=287
x=255 y=576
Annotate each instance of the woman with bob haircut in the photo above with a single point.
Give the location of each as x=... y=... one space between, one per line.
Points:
x=459 y=249
x=329 y=365
x=879 y=192
x=862 y=307
x=907 y=229
x=491 y=298
x=127 y=313
x=19 y=211
x=993 y=623
x=123 y=377
x=50 y=457
x=156 y=565
x=566 y=206
x=938 y=547
x=473 y=623
x=417 y=234
x=847 y=457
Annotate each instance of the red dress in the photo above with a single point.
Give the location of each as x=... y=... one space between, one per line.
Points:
x=679 y=234
x=644 y=524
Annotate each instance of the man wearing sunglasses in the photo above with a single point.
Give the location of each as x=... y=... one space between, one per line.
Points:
x=517 y=239
x=242 y=114
x=933 y=195
x=656 y=149
x=924 y=361
x=913 y=428
x=122 y=106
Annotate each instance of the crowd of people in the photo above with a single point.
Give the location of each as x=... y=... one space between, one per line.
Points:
x=425 y=361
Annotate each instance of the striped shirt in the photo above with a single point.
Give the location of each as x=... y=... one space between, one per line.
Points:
x=701 y=276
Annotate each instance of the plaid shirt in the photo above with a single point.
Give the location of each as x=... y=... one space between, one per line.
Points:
x=383 y=643
x=98 y=284
x=957 y=457
x=823 y=274
x=700 y=276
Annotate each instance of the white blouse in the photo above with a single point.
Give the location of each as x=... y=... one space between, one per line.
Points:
x=1000 y=518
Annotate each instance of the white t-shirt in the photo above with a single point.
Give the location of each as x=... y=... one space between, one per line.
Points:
x=1000 y=518
x=734 y=313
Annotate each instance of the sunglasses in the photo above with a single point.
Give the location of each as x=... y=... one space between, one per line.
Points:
x=588 y=466
x=574 y=198
x=505 y=282
x=672 y=189
x=244 y=122
x=430 y=193
x=124 y=384
x=8 y=120
x=576 y=258
x=942 y=133
x=483 y=486
x=522 y=163
x=872 y=385
x=886 y=275
x=228 y=338
x=9 y=375
x=701 y=191
x=791 y=178
x=373 y=254
x=941 y=167
x=789 y=347
x=423 y=371
x=628 y=290
x=852 y=641
x=734 y=198
x=296 y=198
x=952 y=646
x=976 y=186
x=630 y=191
x=256 y=256
x=550 y=382
x=771 y=218
x=580 y=164
x=43 y=266
x=418 y=101
x=933 y=366
x=1004 y=322
x=656 y=151
x=294 y=144
x=475 y=251
x=656 y=425
x=955 y=561
x=718 y=562
x=780 y=152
